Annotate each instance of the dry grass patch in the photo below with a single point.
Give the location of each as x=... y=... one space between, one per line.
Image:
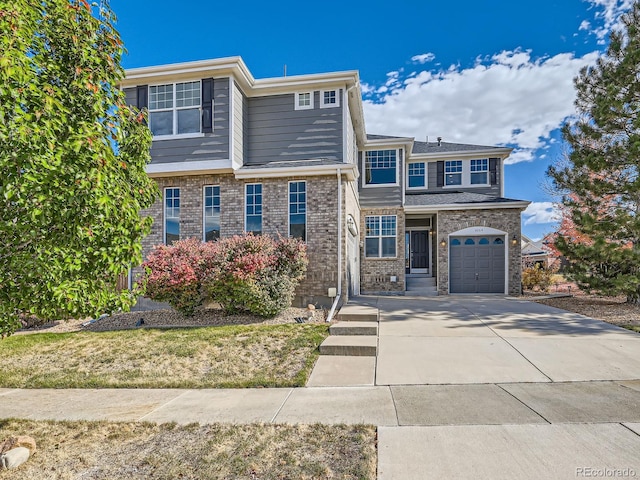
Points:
x=102 y=450
x=213 y=357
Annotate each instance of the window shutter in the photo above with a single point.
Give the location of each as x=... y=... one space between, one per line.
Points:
x=142 y=96
x=493 y=171
x=440 y=173
x=207 y=105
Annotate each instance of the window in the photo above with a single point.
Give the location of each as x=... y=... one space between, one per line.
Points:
x=329 y=98
x=417 y=177
x=380 y=239
x=171 y=215
x=174 y=109
x=211 y=213
x=479 y=172
x=380 y=167
x=453 y=172
x=304 y=101
x=253 y=208
x=298 y=210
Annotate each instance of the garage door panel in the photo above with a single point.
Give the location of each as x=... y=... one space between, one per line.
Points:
x=477 y=265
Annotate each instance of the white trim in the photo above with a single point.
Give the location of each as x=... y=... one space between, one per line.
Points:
x=477 y=231
x=189 y=168
x=364 y=169
x=426 y=175
x=330 y=105
x=497 y=152
x=296 y=104
x=232 y=118
x=160 y=138
x=244 y=205
x=174 y=109
x=306 y=207
x=313 y=170
x=380 y=237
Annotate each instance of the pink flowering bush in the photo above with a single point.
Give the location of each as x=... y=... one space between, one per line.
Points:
x=244 y=273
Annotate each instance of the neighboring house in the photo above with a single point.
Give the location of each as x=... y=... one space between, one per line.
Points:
x=534 y=252
x=290 y=156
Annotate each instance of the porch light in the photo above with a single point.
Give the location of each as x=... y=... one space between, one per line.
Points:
x=514 y=240
x=443 y=243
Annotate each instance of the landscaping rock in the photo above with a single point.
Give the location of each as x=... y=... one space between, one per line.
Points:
x=19 y=441
x=14 y=457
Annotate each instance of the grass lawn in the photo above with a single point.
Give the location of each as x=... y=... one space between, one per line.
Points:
x=210 y=357
x=102 y=450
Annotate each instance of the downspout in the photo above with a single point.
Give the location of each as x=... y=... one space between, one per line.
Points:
x=339 y=292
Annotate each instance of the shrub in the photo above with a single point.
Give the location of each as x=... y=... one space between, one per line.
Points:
x=537 y=276
x=173 y=274
x=256 y=274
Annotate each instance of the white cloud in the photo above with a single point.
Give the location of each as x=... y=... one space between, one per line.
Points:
x=541 y=212
x=608 y=14
x=507 y=99
x=585 y=25
x=423 y=58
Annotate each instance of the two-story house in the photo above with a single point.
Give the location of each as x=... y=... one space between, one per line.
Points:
x=290 y=156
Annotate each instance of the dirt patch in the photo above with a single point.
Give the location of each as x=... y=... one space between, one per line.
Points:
x=171 y=318
x=612 y=310
x=105 y=450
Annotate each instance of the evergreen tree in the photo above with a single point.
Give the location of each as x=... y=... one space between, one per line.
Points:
x=600 y=182
x=72 y=163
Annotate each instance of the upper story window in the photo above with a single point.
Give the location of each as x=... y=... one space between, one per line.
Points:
x=479 y=172
x=380 y=167
x=453 y=172
x=171 y=215
x=174 y=108
x=304 y=101
x=211 y=213
x=417 y=173
x=329 y=98
x=253 y=208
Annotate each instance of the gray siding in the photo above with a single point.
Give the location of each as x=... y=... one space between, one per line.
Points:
x=278 y=132
x=212 y=146
x=371 y=197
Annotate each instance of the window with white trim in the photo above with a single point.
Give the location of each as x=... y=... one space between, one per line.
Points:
x=479 y=172
x=417 y=173
x=304 y=101
x=380 y=167
x=211 y=213
x=174 y=108
x=380 y=236
x=453 y=172
x=171 y=215
x=298 y=210
x=253 y=208
x=329 y=98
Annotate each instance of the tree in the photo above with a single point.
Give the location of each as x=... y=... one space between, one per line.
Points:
x=72 y=163
x=600 y=183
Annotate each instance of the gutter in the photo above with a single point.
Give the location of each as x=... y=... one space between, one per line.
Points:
x=339 y=292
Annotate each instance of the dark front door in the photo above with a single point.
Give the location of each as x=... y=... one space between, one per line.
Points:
x=420 y=251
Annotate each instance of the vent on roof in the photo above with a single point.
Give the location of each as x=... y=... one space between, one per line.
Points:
x=439 y=141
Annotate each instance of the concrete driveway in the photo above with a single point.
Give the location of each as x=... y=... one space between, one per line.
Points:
x=497 y=388
x=468 y=339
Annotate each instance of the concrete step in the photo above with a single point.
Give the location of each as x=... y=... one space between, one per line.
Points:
x=354 y=328
x=357 y=313
x=350 y=345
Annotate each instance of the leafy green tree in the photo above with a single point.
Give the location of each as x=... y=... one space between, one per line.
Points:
x=600 y=182
x=72 y=163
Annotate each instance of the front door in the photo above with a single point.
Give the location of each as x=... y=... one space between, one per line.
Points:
x=419 y=245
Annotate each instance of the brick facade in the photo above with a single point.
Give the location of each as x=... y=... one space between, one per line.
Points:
x=322 y=221
x=507 y=220
x=376 y=273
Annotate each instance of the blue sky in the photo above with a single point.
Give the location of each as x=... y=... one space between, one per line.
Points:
x=492 y=73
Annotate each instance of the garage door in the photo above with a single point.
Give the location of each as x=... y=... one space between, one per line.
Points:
x=476 y=264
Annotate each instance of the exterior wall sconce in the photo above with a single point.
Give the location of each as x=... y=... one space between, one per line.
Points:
x=443 y=243
x=514 y=240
